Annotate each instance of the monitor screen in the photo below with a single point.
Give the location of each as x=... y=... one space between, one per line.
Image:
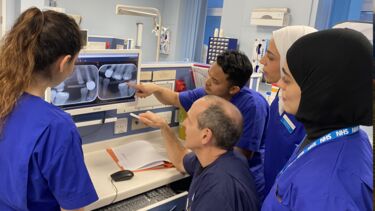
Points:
x=99 y=78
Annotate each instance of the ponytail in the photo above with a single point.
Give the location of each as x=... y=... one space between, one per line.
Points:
x=34 y=43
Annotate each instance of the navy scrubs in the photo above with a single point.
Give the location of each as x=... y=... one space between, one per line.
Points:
x=41 y=160
x=226 y=184
x=255 y=111
x=284 y=133
x=336 y=175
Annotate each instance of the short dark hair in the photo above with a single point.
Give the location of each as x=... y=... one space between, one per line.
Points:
x=226 y=131
x=237 y=66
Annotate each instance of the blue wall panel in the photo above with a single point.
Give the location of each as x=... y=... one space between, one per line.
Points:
x=212 y=22
x=215 y=3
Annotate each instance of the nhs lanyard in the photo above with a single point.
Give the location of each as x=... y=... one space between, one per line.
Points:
x=327 y=138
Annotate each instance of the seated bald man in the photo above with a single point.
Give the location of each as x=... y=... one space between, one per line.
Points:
x=221 y=179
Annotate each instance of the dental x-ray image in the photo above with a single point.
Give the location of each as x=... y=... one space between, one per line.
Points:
x=80 y=87
x=88 y=83
x=114 y=79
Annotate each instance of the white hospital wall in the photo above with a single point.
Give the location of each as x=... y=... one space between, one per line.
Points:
x=99 y=18
x=236 y=19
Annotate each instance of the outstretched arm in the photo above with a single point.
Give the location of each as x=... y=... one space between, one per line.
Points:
x=176 y=152
x=164 y=95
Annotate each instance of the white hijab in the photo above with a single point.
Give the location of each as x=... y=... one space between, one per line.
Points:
x=284 y=38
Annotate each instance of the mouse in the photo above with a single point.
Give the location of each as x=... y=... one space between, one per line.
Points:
x=122 y=175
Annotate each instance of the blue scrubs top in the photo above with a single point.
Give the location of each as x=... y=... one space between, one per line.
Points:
x=255 y=111
x=336 y=175
x=226 y=184
x=283 y=134
x=41 y=160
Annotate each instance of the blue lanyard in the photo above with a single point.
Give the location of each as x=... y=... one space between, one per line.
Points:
x=326 y=138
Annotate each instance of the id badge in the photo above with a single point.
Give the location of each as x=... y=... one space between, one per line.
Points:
x=288 y=124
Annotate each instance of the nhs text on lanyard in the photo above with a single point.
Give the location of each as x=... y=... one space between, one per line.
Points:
x=329 y=137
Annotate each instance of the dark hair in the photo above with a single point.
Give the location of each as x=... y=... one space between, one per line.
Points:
x=237 y=66
x=225 y=130
x=34 y=43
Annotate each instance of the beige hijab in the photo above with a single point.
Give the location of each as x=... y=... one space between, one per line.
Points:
x=284 y=38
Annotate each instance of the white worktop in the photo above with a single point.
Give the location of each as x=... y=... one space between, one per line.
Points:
x=100 y=166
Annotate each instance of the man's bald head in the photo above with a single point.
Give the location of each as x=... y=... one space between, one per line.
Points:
x=221 y=117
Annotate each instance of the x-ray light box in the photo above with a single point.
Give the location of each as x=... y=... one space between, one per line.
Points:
x=100 y=81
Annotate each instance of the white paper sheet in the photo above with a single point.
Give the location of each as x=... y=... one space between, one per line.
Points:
x=138 y=155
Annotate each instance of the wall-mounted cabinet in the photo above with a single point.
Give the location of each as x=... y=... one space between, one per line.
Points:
x=270 y=17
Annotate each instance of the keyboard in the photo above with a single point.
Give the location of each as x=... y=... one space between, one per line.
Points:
x=142 y=200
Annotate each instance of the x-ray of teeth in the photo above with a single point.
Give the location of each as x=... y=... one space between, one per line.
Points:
x=75 y=86
x=105 y=86
x=133 y=82
x=80 y=87
x=108 y=73
x=61 y=98
x=131 y=90
x=60 y=87
x=100 y=81
x=53 y=95
x=90 y=84
x=128 y=72
x=91 y=95
x=117 y=75
x=124 y=89
x=79 y=75
x=84 y=92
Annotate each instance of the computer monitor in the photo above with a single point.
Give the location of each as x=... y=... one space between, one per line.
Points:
x=99 y=82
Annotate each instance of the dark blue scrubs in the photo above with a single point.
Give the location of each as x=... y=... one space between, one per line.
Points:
x=41 y=160
x=283 y=134
x=336 y=175
x=255 y=111
x=226 y=184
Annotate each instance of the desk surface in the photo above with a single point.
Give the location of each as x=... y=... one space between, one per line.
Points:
x=101 y=166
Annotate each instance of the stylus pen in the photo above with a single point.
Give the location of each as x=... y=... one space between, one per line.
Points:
x=134 y=115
